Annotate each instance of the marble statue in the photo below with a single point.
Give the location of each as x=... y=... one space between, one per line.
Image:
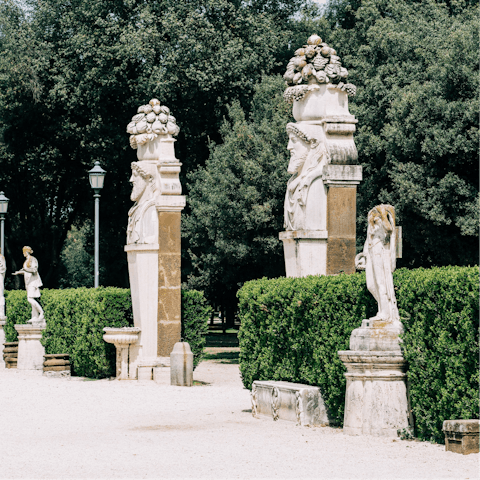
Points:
x=32 y=285
x=379 y=260
x=3 y=269
x=142 y=217
x=308 y=157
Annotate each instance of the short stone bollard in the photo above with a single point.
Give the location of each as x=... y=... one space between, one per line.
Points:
x=461 y=436
x=181 y=365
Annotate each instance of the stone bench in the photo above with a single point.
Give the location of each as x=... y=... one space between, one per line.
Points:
x=293 y=402
x=10 y=354
x=461 y=436
x=57 y=365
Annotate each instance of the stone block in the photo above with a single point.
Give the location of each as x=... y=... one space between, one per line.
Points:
x=305 y=252
x=461 y=436
x=181 y=365
x=294 y=402
x=377 y=335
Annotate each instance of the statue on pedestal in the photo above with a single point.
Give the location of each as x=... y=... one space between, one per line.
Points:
x=33 y=283
x=308 y=157
x=379 y=260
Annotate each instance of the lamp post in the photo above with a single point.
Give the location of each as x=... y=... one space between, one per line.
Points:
x=3 y=211
x=96 y=176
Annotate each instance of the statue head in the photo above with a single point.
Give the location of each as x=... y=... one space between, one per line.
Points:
x=142 y=179
x=306 y=150
x=27 y=250
x=382 y=216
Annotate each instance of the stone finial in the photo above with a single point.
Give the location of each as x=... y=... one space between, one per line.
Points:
x=315 y=64
x=151 y=121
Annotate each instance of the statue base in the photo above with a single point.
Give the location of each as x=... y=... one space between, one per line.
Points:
x=305 y=252
x=30 y=349
x=376 y=395
x=376 y=335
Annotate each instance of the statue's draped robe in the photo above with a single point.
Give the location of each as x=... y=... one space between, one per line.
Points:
x=381 y=258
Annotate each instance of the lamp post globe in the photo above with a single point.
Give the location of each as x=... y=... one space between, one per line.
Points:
x=96 y=176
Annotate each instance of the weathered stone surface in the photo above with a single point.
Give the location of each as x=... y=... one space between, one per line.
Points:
x=461 y=436
x=293 y=402
x=181 y=365
x=30 y=350
x=376 y=393
x=55 y=362
x=377 y=335
x=341 y=218
x=305 y=252
x=169 y=282
x=56 y=368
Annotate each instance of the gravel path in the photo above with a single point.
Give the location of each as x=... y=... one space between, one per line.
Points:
x=59 y=428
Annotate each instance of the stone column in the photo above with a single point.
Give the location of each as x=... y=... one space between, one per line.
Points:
x=153 y=238
x=169 y=324
x=30 y=349
x=2 y=341
x=320 y=202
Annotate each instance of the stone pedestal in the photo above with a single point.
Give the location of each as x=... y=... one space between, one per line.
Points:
x=181 y=365
x=305 y=252
x=143 y=273
x=2 y=341
x=124 y=339
x=461 y=436
x=30 y=350
x=376 y=394
x=293 y=402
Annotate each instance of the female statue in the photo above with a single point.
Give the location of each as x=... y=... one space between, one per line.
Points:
x=379 y=260
x=32 y=284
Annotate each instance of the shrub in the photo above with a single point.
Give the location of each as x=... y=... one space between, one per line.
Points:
x=76 y=318
x=292 y=329
x=195 y=315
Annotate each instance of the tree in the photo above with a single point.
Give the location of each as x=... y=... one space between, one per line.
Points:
x=416 y=69
x=236 y=200
x=72 y=73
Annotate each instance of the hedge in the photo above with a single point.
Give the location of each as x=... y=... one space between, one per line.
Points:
x=76 y=318
x=292 y=328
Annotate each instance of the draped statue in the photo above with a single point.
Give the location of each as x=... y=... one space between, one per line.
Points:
x=379 y=260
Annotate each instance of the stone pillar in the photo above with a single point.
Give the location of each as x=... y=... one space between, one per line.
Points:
x=169 y=324
x=342 y=181
x=153 y=239
x=320 y=202
x=2 y=341
x=30 y=349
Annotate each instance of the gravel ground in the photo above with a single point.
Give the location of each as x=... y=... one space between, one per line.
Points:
x=58 y=428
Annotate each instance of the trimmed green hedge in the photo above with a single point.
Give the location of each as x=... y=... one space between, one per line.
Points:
x=76 y=318
x=292 y=328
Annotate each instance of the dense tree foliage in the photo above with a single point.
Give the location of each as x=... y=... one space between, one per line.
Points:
x=416 y=70
x=237 y=198
x=72 y=73
x=415 y=65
